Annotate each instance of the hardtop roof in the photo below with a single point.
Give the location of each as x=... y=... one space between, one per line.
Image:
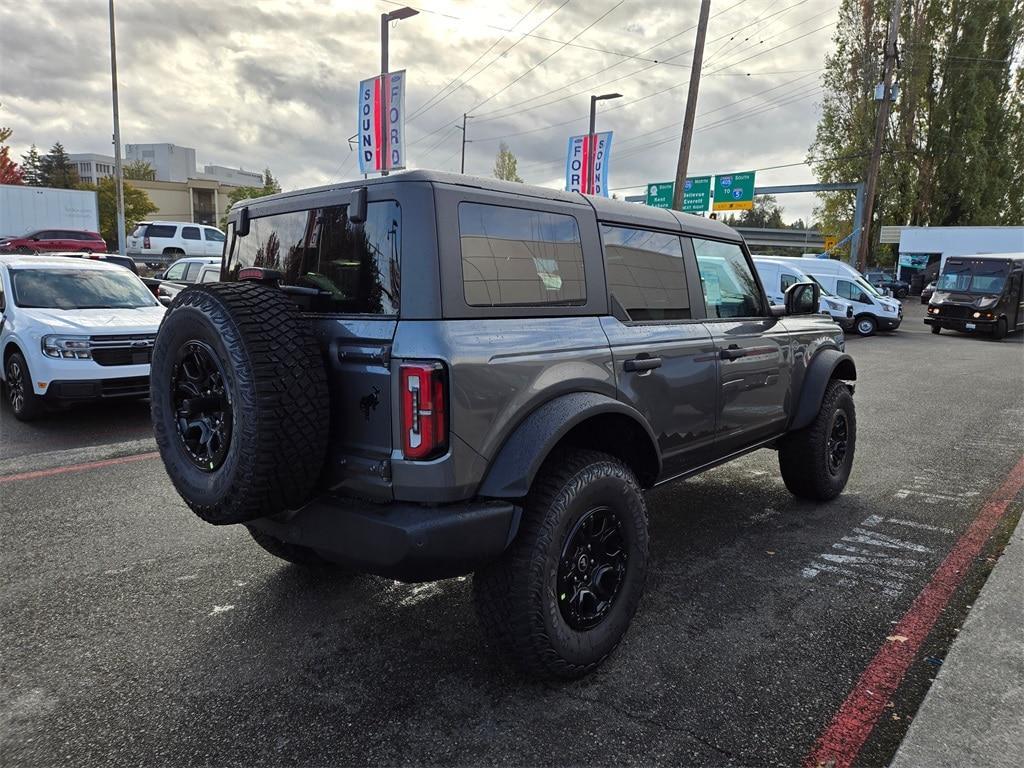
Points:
x=607 y=209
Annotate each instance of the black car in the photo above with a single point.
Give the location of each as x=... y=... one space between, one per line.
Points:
x=887 y=281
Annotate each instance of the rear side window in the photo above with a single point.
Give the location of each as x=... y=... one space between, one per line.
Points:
x=190 y=233
x=645 y=273
x=357 y=267
x=516 y=257
x=730 y=289
x=210 y=276
x=161 y=230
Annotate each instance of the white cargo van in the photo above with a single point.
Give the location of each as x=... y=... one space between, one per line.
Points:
x=777 y=275
x=872 y=311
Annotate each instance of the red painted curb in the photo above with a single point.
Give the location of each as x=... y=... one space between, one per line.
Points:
x=77 y=467
x=841 y=742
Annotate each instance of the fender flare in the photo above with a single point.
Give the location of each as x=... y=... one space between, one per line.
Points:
x=512 y=472
x=827 y=365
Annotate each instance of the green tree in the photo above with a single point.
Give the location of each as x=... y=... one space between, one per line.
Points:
x=10 y=173
x=766 y=213
x=137 y=206
x=271 y=186
x=139 y=170
x=952 y=152
x=505 y=164
x=32 y=167
x=57 y=170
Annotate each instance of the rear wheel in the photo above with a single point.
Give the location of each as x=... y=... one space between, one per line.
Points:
x=560 y=599
x=901 y=293
x=238 y=394
x=25 y=403
x=816 y=461
x=865 y=325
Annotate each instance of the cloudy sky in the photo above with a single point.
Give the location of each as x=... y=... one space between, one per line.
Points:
x=272 y=83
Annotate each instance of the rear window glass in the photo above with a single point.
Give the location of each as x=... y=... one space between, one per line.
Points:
x=190 y=233
x=646 y=273
x=161 y=230
x=357 y=267
x=516 y=257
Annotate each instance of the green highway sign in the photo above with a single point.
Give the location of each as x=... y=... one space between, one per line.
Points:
x=734 y=192
x=660 y=195
x=696 y=194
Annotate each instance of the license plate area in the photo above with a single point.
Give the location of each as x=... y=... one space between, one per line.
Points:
x=970 y=326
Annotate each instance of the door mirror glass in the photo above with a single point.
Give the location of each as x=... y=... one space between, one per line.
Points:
x=802 y=299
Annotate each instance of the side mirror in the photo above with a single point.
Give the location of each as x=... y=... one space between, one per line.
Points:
x=242 y=227
x=165 y=300
x=803 y=299
x=357 y=206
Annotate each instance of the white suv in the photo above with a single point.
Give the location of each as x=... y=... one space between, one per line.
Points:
x=73 y=329
x=160 y=242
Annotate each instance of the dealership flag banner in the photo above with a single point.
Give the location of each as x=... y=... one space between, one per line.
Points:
x=577 y=162
x=382 y=103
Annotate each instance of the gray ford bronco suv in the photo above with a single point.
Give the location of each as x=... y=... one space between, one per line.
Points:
x=428 y=375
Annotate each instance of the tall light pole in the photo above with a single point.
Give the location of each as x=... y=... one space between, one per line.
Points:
x=118 y=168
x=691 y=106
x=592 y=137
x=881 y=123
x=395 y=15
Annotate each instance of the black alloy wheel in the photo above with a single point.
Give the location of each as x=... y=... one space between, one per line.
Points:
x=592 y=568
x=202 y=405
x=838 y=440
x=15 y=384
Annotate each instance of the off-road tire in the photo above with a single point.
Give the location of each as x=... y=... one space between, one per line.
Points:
x=865 y=325
x=936 y=328
x=275 y=380
x=19 y=380
x=292 y=553
x=999 y=329
x=516 y=597
x=803 y=455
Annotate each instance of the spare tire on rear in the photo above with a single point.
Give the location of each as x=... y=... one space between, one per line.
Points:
x=238 y=394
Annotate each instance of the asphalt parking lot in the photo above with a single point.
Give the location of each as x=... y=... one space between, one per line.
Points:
x=133 y=633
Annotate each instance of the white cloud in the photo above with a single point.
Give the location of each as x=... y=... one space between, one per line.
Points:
x=273 y=83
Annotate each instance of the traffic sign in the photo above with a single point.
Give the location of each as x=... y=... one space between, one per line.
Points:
x=830 y=242
x=696 y=194
x=660 y=195
x=734 y=192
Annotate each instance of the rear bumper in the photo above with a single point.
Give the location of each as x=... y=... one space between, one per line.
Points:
x=97 y=389
x=408 y=542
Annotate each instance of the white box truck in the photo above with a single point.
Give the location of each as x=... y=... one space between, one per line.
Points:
x=24 y=209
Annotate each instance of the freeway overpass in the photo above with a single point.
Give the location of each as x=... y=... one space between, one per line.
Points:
x=807 y=240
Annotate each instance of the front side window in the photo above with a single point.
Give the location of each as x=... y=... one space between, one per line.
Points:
x=645 y=273
x=517 y=257
x=214 y=235
x=190 y=233
x=79 y=289
x=192 y=272
x=788 y=279
x=176 y=272
x=356 y=266
x=852 y=291
x=730 y=289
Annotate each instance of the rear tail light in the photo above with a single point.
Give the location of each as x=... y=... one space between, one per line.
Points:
x=145 y=242
x=424 y=409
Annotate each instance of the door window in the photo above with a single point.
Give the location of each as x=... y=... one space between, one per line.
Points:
x=190 y=233
x=730 y=289
x=176 y=272
x=516 y=257
x=214 y=235
x=788 y=279
x=851 y=291
x=646 y=275
x=192 y=273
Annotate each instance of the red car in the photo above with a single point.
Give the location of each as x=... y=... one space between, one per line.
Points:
x=54 y=240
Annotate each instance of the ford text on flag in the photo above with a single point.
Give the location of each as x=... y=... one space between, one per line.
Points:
x=577 y=163
x=382 y=108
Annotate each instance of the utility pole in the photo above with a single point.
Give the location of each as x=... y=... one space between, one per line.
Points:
x=691 y=105
x=592 y=139
x=118 y=167
x=881 y=123
x=385 y=81
x=465 y=141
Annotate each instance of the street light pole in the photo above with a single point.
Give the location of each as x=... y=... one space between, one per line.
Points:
x=691 y=105
x=118 y=167
x=592 y=138
x=396 y=15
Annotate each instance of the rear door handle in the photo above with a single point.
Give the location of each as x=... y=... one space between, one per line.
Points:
x=733 y=352
x=642 y=364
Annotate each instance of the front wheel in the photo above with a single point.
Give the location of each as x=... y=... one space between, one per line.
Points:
x=25 y=403
x=816 y=461
x=999 y=331
x=560 y=599
x=865 y=325
x=936 y=329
